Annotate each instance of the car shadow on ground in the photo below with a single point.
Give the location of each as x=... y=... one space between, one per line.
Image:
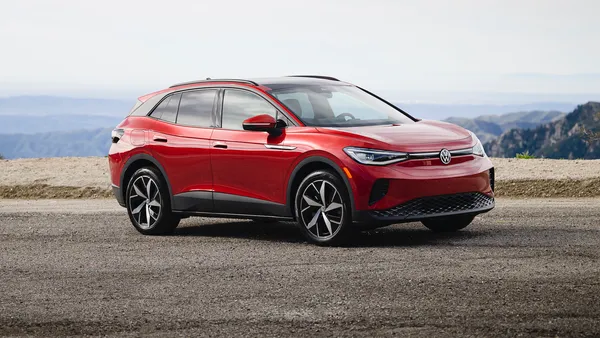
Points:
x=287 y=232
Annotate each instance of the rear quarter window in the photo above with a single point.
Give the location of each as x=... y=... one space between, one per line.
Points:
x=167 y=109
x=135 y=106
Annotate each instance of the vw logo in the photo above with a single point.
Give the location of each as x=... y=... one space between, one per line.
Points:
x=445 y=156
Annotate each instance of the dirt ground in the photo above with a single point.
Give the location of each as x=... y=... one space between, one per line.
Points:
x=88 y=177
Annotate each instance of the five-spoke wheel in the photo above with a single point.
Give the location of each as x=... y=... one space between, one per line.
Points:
x=148 y=204
x=145 y=201
x=322 y=207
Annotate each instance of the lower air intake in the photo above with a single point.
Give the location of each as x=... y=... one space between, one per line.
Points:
x=438 y=206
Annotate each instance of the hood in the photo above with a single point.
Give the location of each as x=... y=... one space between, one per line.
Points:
x=411 y=137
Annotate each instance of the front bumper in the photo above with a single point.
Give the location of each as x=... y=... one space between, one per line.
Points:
x=471 y=203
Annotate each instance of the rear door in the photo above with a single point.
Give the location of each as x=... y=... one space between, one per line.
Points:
x=180 y=141
x=249 y=167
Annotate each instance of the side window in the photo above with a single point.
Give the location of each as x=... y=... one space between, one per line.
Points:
x=196 y=107
x=239 y=105
x=167 y=109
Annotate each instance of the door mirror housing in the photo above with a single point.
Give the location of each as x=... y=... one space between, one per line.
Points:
x=262 y=122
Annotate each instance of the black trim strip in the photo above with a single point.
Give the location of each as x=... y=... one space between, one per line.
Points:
x=146 y=157
x=208 y=80
x=230 y=215
x=291 y=194
x=235 y=204
x=118 y=195
x=209 y=202
x=316 y=77
x=391 y=105
x=201 y=201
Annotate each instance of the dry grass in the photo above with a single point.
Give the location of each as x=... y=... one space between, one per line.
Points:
x=44 y=191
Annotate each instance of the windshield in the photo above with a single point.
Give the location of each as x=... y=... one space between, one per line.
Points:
x=338 y=106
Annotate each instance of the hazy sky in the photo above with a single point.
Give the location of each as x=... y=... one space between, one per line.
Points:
x=533 y=46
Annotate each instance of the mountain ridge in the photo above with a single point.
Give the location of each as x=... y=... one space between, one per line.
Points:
x=489 y=127
x=562 y=138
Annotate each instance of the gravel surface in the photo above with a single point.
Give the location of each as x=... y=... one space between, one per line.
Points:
x=528 y=268
x=93 y=171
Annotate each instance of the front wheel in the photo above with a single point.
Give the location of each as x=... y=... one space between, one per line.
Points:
x=448 y=224
x=323 y=208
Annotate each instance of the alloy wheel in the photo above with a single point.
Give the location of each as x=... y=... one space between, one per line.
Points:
x=322 y=209
x=145 y=202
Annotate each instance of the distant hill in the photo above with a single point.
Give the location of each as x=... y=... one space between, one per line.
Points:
x=54 y=105
x=27 y=124
x=558 y=139
x=489 y=127
x=94 y=142
x=444 y=111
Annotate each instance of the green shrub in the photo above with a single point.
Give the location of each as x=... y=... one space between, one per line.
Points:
x=525 y=155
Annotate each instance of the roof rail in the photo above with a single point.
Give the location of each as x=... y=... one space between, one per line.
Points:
x=316 y=77
x=214 y=80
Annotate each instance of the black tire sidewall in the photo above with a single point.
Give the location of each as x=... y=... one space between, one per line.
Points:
x=166 y=221
x=332 y=178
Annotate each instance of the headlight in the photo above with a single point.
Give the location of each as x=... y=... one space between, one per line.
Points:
x=478 y=148
x=375 y=157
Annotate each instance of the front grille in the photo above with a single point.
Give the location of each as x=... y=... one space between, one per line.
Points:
x=438 y=206
x=493 y=179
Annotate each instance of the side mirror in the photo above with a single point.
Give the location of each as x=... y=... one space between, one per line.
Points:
x=262 y=122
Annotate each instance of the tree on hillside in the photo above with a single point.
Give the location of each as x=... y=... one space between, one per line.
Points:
x=590 y=135
x=1 y=157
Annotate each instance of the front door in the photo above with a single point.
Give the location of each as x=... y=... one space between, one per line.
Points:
x=249 y=167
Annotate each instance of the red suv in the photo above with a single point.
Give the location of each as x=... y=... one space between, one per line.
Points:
x=322 y=152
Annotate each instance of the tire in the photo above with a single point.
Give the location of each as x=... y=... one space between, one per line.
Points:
x=157 y=207
x=328 y=222
x=448 y=224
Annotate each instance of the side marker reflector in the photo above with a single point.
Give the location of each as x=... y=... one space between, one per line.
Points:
x=347 y=172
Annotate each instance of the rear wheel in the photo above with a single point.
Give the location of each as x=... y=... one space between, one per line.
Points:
x=448 y=224
x=323 y=208
x=148 y=203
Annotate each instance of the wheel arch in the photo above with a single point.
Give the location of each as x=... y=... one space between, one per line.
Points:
x=136 y=162
x=305 y=167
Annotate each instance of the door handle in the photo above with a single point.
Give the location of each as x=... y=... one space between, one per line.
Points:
x=160 y=139
x=220 y=145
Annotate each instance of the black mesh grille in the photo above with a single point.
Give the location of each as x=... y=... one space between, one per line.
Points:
x=438 y=205
x=380 y=188
x=493 y=179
